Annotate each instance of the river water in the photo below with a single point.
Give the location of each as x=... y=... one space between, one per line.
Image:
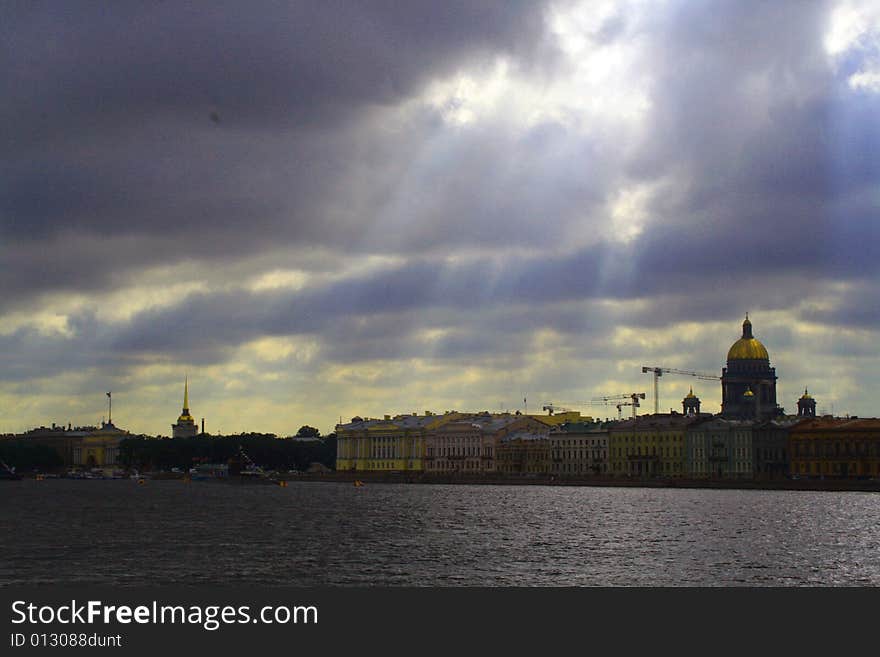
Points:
x=318 y=533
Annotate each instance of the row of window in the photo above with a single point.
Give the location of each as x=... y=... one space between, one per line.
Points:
x=448 y=466
x=579 y=468
x=851 y=469
x=575 y=443
x=828 y=448
x=638 y=467
x=667 y=452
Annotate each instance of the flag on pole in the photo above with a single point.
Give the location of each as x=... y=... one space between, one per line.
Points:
x=108 y=394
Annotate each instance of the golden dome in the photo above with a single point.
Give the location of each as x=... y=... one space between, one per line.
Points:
x=690 y=395
x=806 y=395
x=748 y=347
x=748 y=393
x=751 y=349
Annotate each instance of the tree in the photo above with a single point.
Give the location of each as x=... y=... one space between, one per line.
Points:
x=305 y=431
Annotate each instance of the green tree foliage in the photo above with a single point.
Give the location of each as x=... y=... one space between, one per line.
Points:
x=26 y=457
x=305 y=431
x=266 y=450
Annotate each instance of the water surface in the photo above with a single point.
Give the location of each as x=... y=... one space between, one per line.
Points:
x=318 y=533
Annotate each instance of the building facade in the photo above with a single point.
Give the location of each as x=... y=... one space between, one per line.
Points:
x=468 y=444
x=524 y=453
x=770 y=458
x=840 y=448
x=579 y=449
x=88 y=447
x=649 y=446
x=390 y=444
x=99 y=448
x=718 y=448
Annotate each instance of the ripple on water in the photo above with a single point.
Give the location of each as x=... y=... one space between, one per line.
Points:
x=409 y=535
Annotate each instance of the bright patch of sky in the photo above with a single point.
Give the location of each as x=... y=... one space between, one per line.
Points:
x=854 y=32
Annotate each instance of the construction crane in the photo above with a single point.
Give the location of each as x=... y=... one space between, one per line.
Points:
x=634 y=398
x=620 y=409
x=551 y=408
x=660 y=371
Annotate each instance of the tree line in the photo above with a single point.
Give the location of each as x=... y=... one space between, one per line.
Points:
x=265 y=450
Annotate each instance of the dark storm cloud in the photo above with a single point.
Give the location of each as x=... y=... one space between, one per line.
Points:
x=226 y=127
x=217 y=133
x=268 y=64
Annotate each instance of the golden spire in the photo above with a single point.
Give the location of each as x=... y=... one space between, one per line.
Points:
x=185 y=417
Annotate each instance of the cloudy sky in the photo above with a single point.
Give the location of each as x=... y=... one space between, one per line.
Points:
x=321 y=209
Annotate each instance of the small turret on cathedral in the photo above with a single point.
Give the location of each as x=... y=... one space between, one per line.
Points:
x=186 y=425
x=806 y=405
x=691 y=404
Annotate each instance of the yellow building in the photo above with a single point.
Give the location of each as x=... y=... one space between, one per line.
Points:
x=649 y=446
x=99 y=448
x=390 y=444
x=564 y=417
x=81 y=447
x=452 y=442
x=835 y=448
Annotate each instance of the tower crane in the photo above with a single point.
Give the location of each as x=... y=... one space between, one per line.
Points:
x=551 y=408
x=634 y=398
x=620 y=409
x=660 y=371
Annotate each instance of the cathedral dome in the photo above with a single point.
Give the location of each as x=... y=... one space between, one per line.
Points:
x=748 y=347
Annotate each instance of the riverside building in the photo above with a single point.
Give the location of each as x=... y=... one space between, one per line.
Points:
x=524 y=453
x=770 y=448
x=649 y=446
x=390 y=444
x=718 y=448
x=468 y=444
x=827 y=447
x=579 y=449
x=440 y=444
x=88 y=447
